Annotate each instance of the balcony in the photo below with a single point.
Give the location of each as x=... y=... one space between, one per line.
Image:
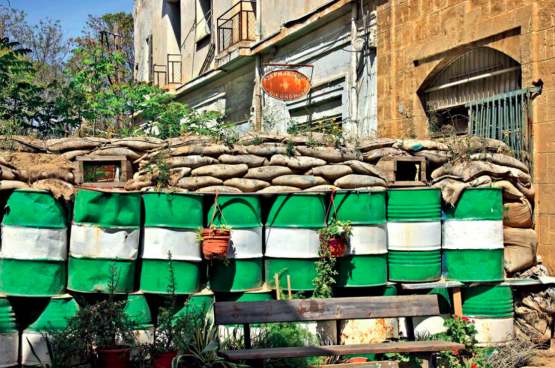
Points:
x=164 y=76
x=236 y=25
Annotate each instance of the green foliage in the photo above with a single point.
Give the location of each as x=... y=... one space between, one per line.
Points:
x=160 y=171
x=325 y=266
x=62 y=350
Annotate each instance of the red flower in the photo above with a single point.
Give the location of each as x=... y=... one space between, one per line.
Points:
x=455 y=352
x=456 y=317
x=473 y=365
x=465 y=319
x=473 y=321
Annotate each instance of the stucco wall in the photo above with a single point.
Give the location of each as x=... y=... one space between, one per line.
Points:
x=416 y=39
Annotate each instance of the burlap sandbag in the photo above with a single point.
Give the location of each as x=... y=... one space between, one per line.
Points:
x=517 y=214
x=510 y=192
x=193 y=161
x=278 y=189
x=322 y=188
x=528 y=191
x=58 y=188
x=369 y=143
x=70 y=155
x=221 y=171
x=138 y=143
x=267 y=173
x=452 y=189
x=18 y=143
x=377 y=154
x=219 y=189
x=296 y=163
x=521 y=247
x=45 y=171
x=314 y=138
x=188 y=141
x=364 y=168
x=118 y=151
x=178 y=173
x=467 y=171
x=139 y=182
x=500 y=159
x=197 y=182
x=329 y=154
x=330 y=172
x=434 y=157
x=299 y=181
x=465 y=145
x=7 y=173
x=74 y=144
x=249 y=160
x=213 y=150
x=12 y=184
x=265 y=150
x=262 y=137
x=415 y=145
x=357 y=181
x=247 y=185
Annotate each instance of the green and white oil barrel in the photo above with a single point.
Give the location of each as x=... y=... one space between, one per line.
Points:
x=9 y=335
x=491 y=309
x=34 y=244
x=368 y=331
x=53 y=319
x=139 y=312
x=292 y=239
x=365 y=261
x=104 y=238
x=430 y=325
x=414 y=234
x=171 y=223
x=473 y=236
x=242 y=269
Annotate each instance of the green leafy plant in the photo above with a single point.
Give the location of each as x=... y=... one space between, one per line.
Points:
x=325 y=266
x=160 y=171
x=62 y=350
x=222 y=228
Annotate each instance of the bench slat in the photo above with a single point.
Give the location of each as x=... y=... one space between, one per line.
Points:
x=330 y=350
x=325 y=309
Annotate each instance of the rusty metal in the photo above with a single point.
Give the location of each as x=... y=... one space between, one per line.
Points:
x=237 y=24
x=286 y=85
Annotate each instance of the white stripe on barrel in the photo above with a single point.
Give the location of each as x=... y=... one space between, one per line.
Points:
x=493 y=330
x=472 y=234
x=414 y=236
x=104 y=242
x=34 y=243
x=368 y=239
x=425 y=326
x=245 y=243
x=182 y=243
x=9 y=349
x=291 y=242
x=39 y=345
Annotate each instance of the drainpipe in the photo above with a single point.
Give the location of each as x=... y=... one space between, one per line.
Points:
x=258 y=20
x=352 y=127
x=258 y=92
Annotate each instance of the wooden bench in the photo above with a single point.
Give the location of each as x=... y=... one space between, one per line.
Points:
x=300 y=310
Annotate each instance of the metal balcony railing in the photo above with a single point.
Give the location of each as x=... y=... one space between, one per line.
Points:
x=159 y=75
x=174 y=68
x=237 y=24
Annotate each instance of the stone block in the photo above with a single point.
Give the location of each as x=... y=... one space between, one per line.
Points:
x=547 y=253
x=545 y=139
x=546 y=199
x=544 y=163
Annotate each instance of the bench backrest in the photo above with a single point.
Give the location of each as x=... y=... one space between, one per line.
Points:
x=325 y=309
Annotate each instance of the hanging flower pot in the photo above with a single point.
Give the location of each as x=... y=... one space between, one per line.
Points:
x=113 y=358
x=163 y=360
x=337 y=246
x=335 y=235
x=215 y=239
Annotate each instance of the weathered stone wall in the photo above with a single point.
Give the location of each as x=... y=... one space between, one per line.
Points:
x=416 y=39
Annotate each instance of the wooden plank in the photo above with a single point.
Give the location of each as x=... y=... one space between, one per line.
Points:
x=101 y=158
x=330 y=350
x=325 y=309
x=432 y=285
x=380 y=364
x=457 y=301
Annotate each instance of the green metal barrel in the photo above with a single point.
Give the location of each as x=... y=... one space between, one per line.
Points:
x=9 y=335
x=473 y=237
x=139 y=312
x=242 y=270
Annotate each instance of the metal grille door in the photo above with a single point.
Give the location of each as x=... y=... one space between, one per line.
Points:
x=506 y=117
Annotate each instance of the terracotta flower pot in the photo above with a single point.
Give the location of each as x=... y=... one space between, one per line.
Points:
x=337 y=246
x=163 y=360
x=113 y=358
x=215 y=243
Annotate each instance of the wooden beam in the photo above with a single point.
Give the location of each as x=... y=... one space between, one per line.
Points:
x=331 y=350
x=457 y=301
x=325 y=309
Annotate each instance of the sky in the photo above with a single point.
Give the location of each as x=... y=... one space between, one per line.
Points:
x=72 y=13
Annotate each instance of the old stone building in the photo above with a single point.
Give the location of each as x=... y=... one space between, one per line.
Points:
x=213 y=54
x=476 y=67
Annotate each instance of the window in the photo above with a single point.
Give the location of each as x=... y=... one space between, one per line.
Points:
x=203 y=21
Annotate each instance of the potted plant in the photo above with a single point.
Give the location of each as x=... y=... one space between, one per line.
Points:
x=215 y=240
x=105 y=328
x=336 y=236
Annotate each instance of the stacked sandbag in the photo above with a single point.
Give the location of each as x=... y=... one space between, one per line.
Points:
x=487 y=163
